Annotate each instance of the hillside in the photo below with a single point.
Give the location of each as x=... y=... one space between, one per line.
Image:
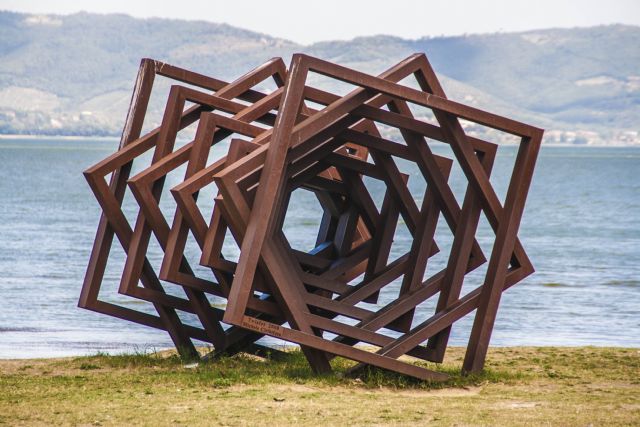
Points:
x=73 y=74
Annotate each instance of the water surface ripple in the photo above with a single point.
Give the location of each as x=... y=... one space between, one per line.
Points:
x=581 y=229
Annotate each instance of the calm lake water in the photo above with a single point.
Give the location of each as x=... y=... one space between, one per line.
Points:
x=581 y=229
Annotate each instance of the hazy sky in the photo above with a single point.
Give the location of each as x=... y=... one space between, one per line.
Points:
x=310 y=21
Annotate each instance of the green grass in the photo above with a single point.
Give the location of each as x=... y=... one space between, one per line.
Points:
x=520 y=386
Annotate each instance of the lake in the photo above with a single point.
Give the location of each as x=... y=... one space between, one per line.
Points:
x=581 y=229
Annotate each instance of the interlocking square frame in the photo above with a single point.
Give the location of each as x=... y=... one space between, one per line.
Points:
x=113 y=222
x=276 y=290
x=508 y=262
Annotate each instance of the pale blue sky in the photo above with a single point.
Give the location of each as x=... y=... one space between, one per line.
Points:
x=310 y=21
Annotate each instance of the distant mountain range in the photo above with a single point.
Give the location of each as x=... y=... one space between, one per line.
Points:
x=73 y=74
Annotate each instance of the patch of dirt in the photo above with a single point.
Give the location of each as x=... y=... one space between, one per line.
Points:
x=517 y=405
x=25 y=366
x=455 y=392
x=278 y=388
x=298 y=388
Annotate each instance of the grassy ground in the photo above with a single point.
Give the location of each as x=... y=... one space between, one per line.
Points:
x=521 y=386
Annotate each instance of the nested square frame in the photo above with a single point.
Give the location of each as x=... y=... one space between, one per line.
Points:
x=507 y=264
x=110 y=196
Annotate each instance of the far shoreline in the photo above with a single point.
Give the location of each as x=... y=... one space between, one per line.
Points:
x=59 y=137
x=116 y=138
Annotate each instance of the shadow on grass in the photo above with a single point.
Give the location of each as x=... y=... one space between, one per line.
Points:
x=244 y=369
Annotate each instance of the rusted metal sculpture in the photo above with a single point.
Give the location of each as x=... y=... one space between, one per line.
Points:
x=325 y=299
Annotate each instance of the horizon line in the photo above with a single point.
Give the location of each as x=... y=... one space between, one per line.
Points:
x=373 y=35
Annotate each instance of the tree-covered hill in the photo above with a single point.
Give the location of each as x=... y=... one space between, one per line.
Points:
x=73 y=74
